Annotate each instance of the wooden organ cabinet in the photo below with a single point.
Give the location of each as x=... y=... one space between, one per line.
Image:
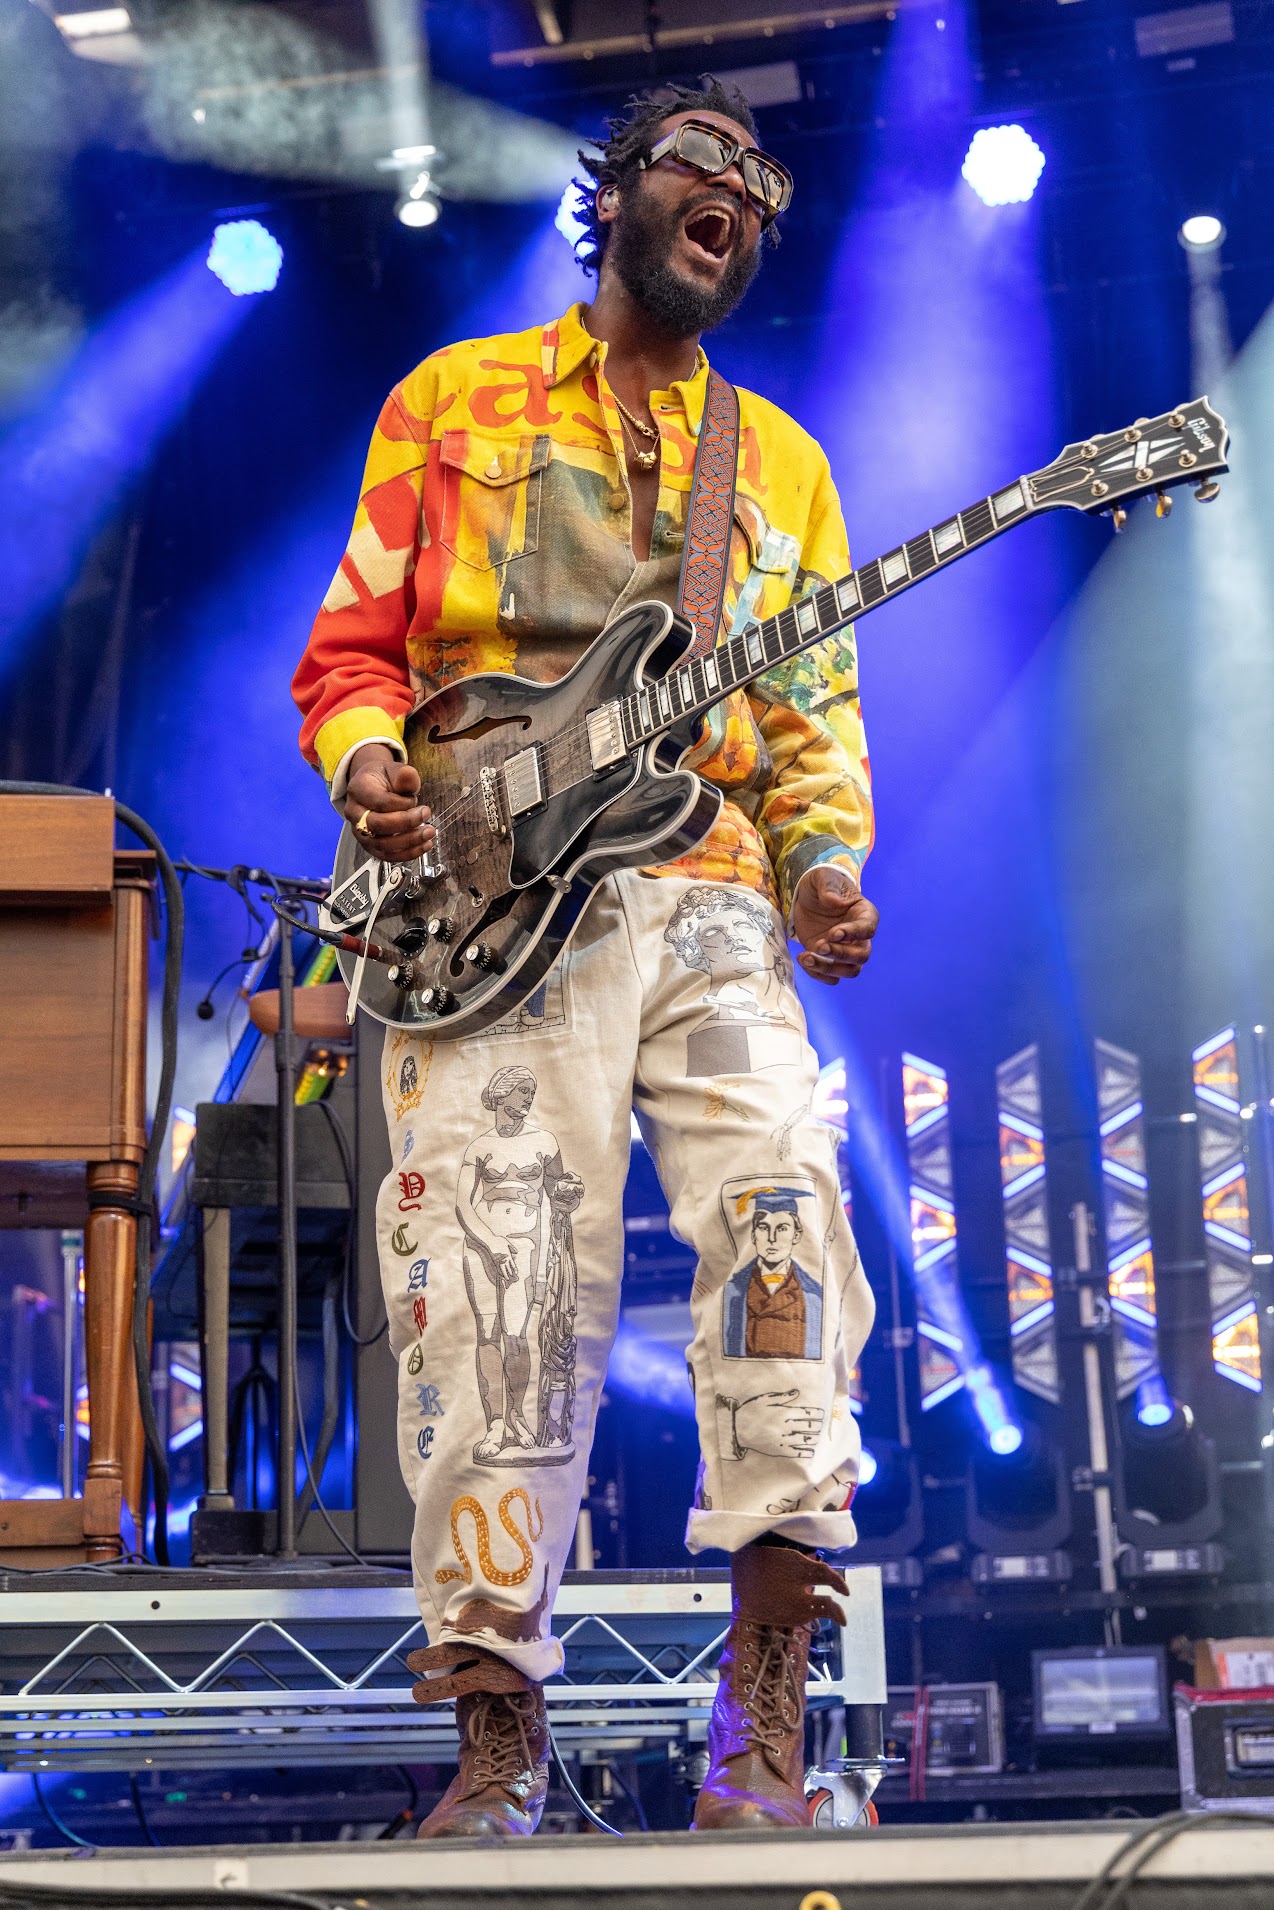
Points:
x=76 y=915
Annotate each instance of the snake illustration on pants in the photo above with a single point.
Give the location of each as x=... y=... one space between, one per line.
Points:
x=490 y=1570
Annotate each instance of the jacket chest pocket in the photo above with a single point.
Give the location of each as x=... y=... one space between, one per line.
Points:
x=491 y=496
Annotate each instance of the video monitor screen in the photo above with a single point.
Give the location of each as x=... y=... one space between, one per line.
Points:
x=1100 y=1692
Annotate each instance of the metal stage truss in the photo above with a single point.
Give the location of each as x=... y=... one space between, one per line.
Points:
x=204 y=1675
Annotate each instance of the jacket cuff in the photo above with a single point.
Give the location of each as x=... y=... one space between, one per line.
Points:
x=345 y=733
x=815 y=852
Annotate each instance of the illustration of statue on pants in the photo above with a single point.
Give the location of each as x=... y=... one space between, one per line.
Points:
x=514 y=1203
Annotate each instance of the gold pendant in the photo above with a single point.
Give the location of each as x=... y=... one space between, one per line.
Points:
x=646 y=460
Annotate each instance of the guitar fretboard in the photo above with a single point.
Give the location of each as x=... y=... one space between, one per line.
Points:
x=695 y=685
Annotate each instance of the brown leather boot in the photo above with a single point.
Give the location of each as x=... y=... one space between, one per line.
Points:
x=756 y=1737
x=503 y=1779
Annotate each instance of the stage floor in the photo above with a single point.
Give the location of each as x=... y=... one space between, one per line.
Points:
x=962 y=1868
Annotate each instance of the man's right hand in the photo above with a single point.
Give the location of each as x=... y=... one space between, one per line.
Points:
x=386 y=792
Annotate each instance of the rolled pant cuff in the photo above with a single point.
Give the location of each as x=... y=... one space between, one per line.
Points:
x=539 y=1659
x=728 y=1531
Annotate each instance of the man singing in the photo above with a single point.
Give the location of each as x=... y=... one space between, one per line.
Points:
x=520 y=492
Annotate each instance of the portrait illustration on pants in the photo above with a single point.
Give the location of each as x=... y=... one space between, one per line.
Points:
x=772 y=1304
x=514 y=1204
x=729 y=935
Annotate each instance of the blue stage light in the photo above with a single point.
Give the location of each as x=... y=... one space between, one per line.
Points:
x=1202 y=232
x=1153 y=1403
x=650 y=1370
x=1002 y=1433
x=1003 y=165
x=64 y=468
x=569 y=220
x=245 y=257
x=867 y=1466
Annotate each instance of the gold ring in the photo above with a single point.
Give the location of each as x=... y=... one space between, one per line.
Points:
x=361 y=826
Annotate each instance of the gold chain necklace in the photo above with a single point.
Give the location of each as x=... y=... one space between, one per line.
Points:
x=646 y=459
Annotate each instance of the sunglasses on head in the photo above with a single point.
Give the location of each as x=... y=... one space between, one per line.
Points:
x=709 y=150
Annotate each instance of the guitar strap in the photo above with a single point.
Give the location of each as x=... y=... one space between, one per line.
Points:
x=710 y=514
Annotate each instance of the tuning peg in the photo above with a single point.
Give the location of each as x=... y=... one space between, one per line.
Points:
x=1118 y=516
x=1206 y=491
x=1163 y=504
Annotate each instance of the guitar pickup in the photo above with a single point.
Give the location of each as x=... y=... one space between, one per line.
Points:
x=606 y=743
x=524 y=781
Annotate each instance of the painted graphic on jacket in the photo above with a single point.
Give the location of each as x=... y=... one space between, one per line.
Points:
x=514 y=1202
x=494 y=532
x=772 y=1305
x=732 y=938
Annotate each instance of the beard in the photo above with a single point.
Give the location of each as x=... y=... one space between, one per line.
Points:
x=640 y=247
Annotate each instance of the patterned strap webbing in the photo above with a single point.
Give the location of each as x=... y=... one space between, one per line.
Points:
x=711 y=513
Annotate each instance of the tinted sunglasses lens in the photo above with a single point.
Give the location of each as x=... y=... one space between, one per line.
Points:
x=766 y=182
x=701 y=147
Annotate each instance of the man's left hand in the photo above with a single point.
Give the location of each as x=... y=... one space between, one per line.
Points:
x=834 y=923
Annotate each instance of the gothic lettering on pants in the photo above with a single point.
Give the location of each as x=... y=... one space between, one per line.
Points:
x=514 y=1202
x=400 y=1244
x=419 y=1314
x=416 y=1360
x=772 y=1304
x=732 y=938
x=425 y=1442
x=411 y=1188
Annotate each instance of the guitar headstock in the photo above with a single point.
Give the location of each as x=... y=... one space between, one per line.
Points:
x=1185 y=446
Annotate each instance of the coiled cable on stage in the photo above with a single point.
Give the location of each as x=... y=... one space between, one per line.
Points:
x=174 y=937
x=1110 y=1889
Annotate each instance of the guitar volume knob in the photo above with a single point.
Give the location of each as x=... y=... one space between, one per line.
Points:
x=440 y=1001
x=438 y=928
x=483 y=956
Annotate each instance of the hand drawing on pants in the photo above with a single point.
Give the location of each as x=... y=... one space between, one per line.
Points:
x=775 y=1424
x=515 y=1202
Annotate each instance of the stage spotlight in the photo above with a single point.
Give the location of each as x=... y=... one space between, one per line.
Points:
x=1202 y=232
x=867 y=1466
x=1153 y=1403
x=245 y=257
x=569 y=220
x=417 y=213
x=1003 y=165
x=1002 y=1433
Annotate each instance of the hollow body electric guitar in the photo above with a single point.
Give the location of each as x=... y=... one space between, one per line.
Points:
x=539 y=791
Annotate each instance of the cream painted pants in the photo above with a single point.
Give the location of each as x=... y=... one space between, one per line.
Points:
x=501 y=1248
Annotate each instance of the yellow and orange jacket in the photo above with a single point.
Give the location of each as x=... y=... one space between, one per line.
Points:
x=494 y=532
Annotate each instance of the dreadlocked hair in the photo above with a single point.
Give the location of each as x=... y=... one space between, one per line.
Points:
x=630 y=136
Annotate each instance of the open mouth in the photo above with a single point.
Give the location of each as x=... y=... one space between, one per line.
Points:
x=711 y=230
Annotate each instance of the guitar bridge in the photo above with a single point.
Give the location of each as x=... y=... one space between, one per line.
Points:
x=606 y=743
x=490 y=780
x=524 y=781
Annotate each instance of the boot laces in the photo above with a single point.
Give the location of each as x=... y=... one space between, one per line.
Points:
x=772 y=1700
x=497 y=1736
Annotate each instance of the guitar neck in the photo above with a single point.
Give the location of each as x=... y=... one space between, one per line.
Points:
x=700 y=682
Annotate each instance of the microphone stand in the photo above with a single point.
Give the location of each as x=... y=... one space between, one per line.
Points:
x=299 y=890
x=285 y=1069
